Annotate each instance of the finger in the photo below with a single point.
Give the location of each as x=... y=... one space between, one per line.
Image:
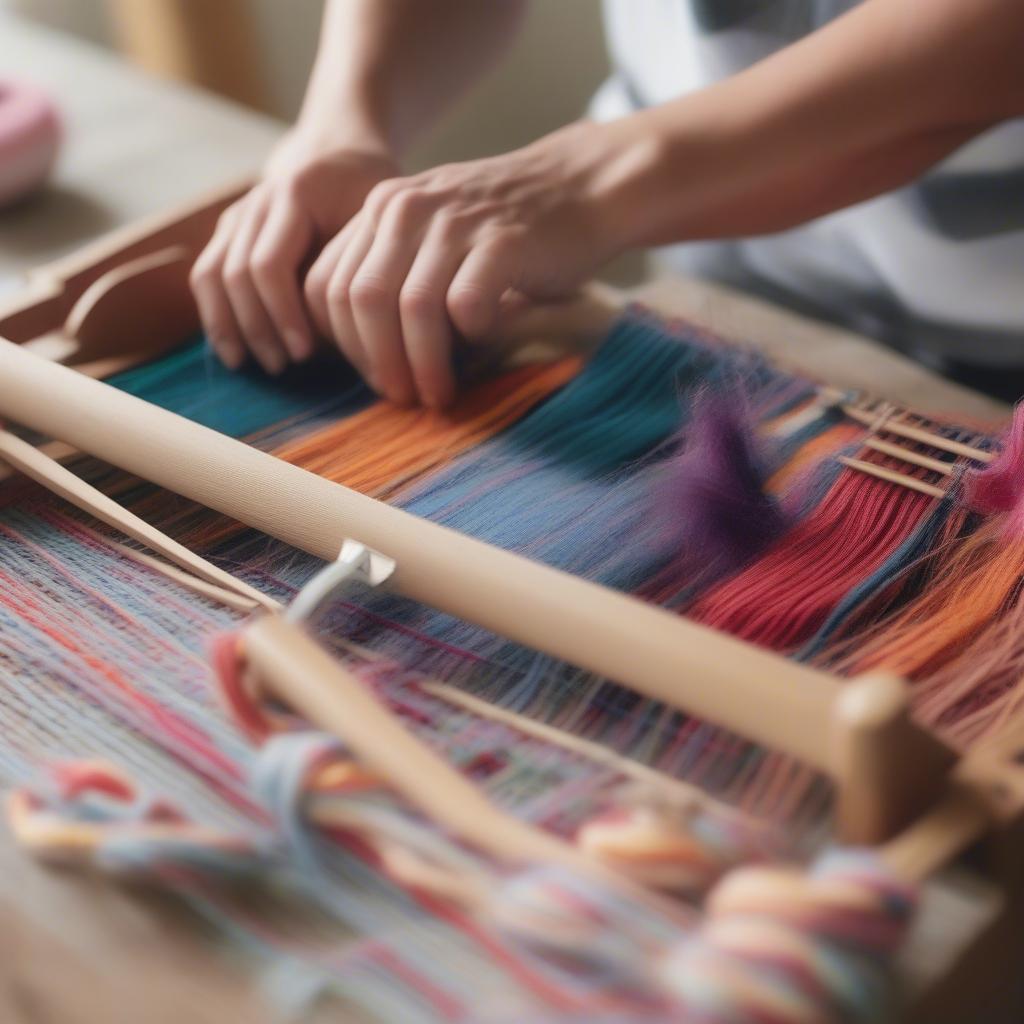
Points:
x=320 y=273
x=375 y=290
x=257 y=328
x=474 y=298
x=206 y=280
x=340 y=321
x=280 y=247
x=426 y=329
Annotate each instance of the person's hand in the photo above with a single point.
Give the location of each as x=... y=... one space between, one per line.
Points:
x=447 y=248
x=247 y=281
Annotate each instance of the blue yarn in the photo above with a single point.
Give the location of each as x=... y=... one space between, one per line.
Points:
x=278 y=780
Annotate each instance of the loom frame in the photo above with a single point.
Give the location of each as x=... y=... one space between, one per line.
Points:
x=84 y=311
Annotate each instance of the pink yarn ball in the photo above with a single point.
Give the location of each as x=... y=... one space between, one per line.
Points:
x=29 y=138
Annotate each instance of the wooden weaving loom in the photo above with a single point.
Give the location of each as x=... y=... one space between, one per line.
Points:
x=899 y=789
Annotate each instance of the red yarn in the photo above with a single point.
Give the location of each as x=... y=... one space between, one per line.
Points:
x=783 y=598
x=228 y=666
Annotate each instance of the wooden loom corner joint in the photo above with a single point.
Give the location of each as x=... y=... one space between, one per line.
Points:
x=888 y=769
x=995 y=774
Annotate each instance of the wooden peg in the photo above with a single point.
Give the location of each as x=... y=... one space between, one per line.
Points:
x=888 y=769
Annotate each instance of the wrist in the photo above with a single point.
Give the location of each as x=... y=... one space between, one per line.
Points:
x=343 y=110
x=626 y=183
x=311 y=144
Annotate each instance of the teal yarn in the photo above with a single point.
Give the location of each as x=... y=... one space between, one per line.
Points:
x=192 y=382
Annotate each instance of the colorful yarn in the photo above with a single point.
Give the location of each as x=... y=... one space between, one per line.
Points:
x=91 y=812
x=1000 y=486
x=192 y=382
x=776 y=947
x=787 y=595
x=781 y=947
x=681 y=849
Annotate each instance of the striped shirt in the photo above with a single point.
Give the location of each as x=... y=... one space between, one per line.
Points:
x=934 y=268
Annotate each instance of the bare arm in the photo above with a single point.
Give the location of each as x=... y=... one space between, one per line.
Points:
x=385 y=70
x=860 y=107
x=864 y=105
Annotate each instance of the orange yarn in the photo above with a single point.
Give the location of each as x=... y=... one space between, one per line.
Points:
x=819 y=448
x=386 y=447
x=974 y=582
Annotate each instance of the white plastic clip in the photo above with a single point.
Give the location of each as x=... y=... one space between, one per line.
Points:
x=356 y=563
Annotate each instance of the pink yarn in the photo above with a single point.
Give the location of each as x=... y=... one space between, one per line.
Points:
x=30 y=133
x=999 y=487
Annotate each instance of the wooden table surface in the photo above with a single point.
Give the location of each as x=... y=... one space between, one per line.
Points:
x=77 y=951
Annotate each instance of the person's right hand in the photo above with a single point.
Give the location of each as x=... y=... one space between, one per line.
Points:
x=247 y=281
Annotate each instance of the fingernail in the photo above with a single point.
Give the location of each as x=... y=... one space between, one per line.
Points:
x=299 y=345
x=274 y=363
x=232 y=356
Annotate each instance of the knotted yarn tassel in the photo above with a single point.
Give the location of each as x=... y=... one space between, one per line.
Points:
x=782 y=947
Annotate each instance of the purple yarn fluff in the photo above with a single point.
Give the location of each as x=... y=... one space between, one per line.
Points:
x=715 y=513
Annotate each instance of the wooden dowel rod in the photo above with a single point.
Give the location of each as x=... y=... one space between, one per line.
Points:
x=297 y=670
x=759 y=695
x=889 y=426
x=891 y=476
x=294 y=668
x=914 y=458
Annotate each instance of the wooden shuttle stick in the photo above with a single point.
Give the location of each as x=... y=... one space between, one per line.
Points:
x=294 y=668
x=43 y=470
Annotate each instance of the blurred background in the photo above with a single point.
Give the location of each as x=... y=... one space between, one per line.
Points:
x=259 y=52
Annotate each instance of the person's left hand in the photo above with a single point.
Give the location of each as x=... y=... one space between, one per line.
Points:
x=443 y=249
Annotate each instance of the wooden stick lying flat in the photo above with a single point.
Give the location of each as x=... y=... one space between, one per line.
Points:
x=62 y=482
x=889 y=426
x=914 y=458
x=229 y=598
x=297 y=670
x=892 y=476
x=664 y=784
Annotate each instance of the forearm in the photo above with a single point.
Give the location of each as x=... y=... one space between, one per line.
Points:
x=386 y=69
x=860 y=107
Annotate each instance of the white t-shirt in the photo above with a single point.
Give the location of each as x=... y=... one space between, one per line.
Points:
x=933 y=268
